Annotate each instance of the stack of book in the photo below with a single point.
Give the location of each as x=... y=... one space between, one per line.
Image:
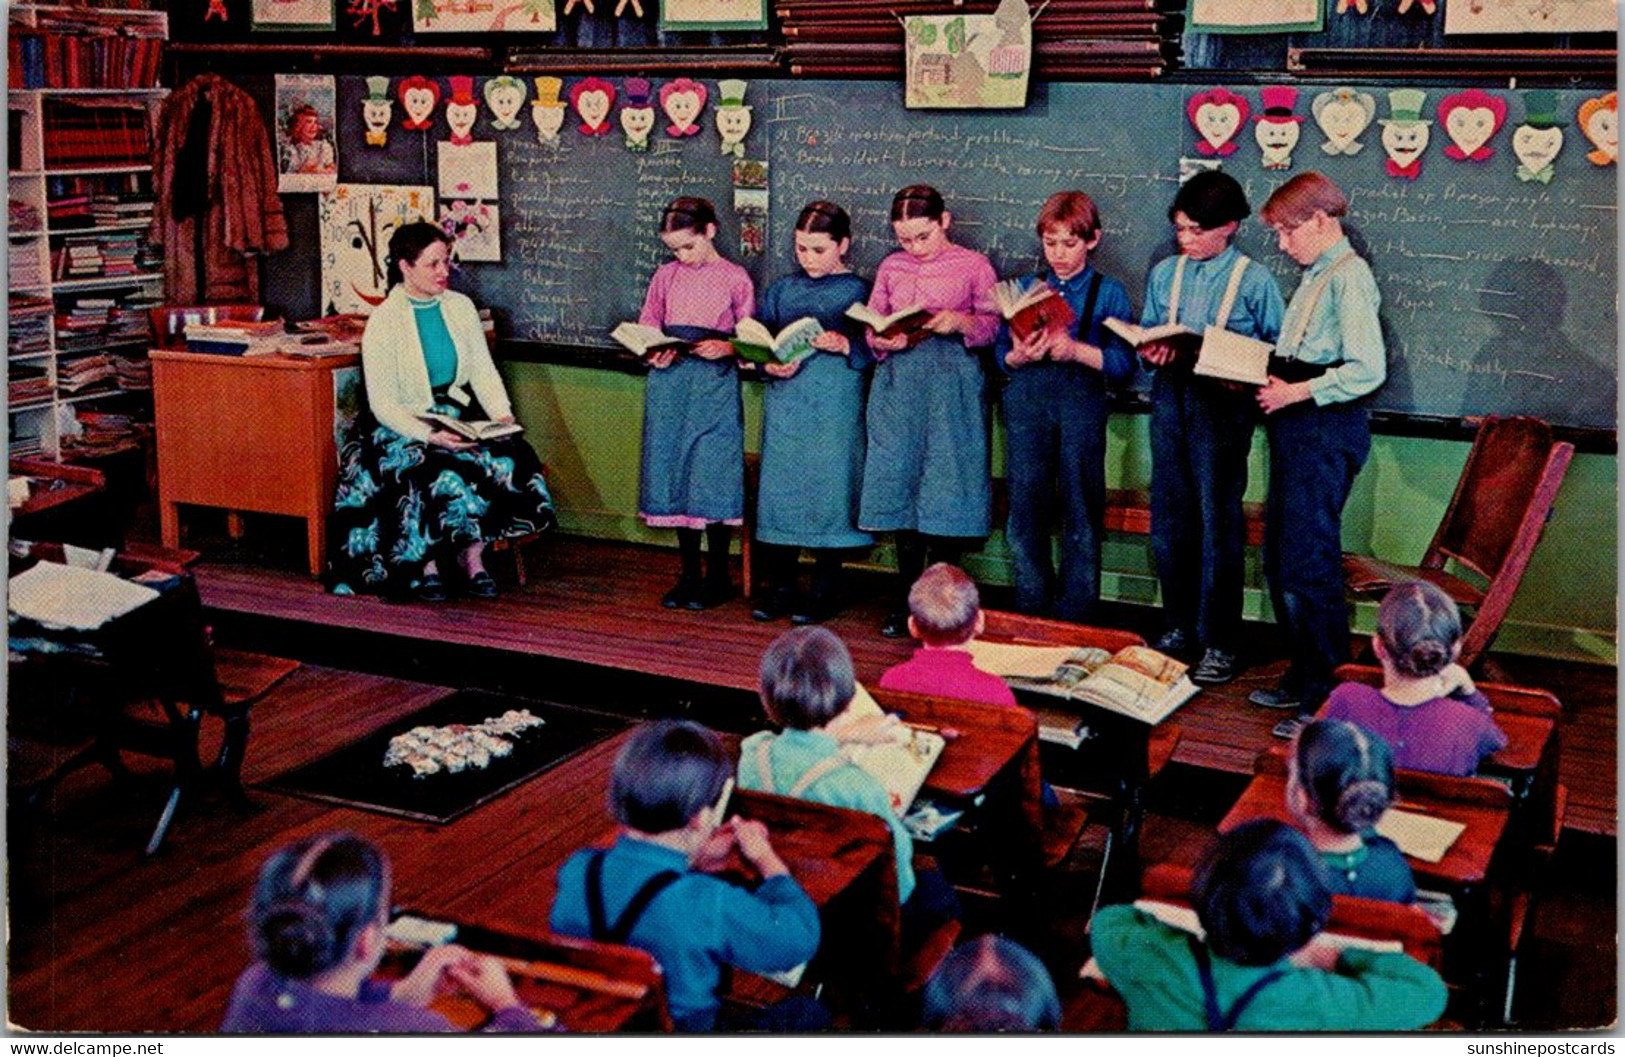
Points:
x=119 y=253
x=25 y=268
x=134 y=373
x=113 y=255
x=79 y=258
x=109 y=209
x=29 y=329
x=86 y=374
x=81 y=323
x=69 y=211
x=27 y=384
x=104 y=434
x=315 y=346
x=93 y=132
x=241 y=338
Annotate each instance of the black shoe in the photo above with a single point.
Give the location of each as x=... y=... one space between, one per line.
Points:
x=711 y=594
x=1276 y=698
x=480 y=585
x=773 y=604
x=896 y=625
x=1216 y=666
x=815 y=610
x=679 y=597
x=429 y=589
x=1175 y=643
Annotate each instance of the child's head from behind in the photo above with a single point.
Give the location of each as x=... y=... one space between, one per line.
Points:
x=313 y=901
x=823 y=235
x=1341 y=775
x=688 y=227
x=1206 y=212
x=1418 y=630
x=806 y=678
x=944 y=606
x=666 y=774
x=990 y=984
x=1069 y=227
x=1260 y=893
x=920 y=220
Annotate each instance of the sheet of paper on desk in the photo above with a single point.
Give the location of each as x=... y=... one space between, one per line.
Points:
x=1419 y=836
x=1185 y=919
x=65 y=597
x=1007 y=660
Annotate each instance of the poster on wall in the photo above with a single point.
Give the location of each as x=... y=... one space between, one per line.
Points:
x=475 y=229
x=290 y=14
x=1531 y=16
x=969 y=61
x=305 y=112
x=467 y=170
x=356 y=223
x=1256 y=16
x=483 y=16
x=713 y=14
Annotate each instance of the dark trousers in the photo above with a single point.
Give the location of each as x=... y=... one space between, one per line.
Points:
x=1201 y=434
x=1315 y=454
x=1055 y=466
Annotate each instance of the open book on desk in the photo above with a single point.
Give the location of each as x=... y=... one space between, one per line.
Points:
x=473 y=430
x=752 y=341
x=646 y=340
x=1033 y=310
x=901 y=761
x=1136 y=681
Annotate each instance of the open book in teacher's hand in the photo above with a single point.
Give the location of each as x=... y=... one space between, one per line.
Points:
x=1035 y=310
x=907 y=323
x=646 y=340
x=473 y=430
x=752 y=341
x=1136 y=681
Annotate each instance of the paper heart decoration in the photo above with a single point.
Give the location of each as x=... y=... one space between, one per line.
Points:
x=1599 y=120
x=1470 y=118
x=1217 y=114
x=1342 y=115
x=593 y=98
x=419 y=95
x=682 y=100
x=461 y=116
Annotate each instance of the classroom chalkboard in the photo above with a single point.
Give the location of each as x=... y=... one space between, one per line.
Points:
x=1498 y=295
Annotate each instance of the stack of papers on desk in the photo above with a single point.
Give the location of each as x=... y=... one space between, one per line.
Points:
x=1419 y=836
x=66 y=597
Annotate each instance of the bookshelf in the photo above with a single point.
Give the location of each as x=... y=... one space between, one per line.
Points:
x=82 y=94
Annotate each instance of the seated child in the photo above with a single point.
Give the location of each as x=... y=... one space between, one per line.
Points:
x=317 y=924
x=990 y=984
x=807 y=686
x=1261 y=897
x=945 y=612
x=1340 y=780
x=1428 y=710
x=650 y=889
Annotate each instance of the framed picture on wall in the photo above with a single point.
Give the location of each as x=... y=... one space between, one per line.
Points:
x=1256 y=16
x=291 y=14
x=483 y=16
x=1532 y=16
x=713 y=14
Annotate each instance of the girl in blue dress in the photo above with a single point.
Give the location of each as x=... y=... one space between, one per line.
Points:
x=693 y=472
x=812 y=428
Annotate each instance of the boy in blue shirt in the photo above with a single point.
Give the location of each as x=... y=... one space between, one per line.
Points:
x=1055 y=418
x=649 y=890
x=1202 y=428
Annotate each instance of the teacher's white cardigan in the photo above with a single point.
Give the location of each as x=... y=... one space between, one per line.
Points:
x=398 y=378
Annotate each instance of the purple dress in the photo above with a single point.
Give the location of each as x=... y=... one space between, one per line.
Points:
x=1445 y=735
x=266 y=1003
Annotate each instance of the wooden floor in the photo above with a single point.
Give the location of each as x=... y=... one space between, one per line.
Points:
x=597 y=602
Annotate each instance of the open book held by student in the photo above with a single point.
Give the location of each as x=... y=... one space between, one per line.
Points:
x=1136 y=681
x=1037 y=309
x=1233 y=357
x=752 y=341
x=645 y=340
x=472 y=430
x=904 y=323
x=1178 y=335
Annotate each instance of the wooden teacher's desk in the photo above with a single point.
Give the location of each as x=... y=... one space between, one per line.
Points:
x=247 y=433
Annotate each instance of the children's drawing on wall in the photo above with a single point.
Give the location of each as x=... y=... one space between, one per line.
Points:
x=712 y=14
x=290 y=14
x=1258 y=16
x=1343 y=114
x=505 y=96
x=363 y=11
x=1405 y=135
x=1538 y=140
x=356 y=221
x=475 y=229
x=483 y=16
x=637 y=113
x=419 y=95
x=682 y=100
x=969 y=61
x=1277 y=127
x=468 y=170
x=733 y=116
x=461 y=110
x=1599 y=120
x=593 y=99
x=376 y=111
x=1218 y=115
x=1470 y=118
x=1531 y=16
x=305 y=109
x=547 y=111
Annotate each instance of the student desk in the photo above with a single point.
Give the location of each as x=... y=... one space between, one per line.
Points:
x=247 y=433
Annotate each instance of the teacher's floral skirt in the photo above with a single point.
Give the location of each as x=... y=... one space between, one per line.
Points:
x=402 y=503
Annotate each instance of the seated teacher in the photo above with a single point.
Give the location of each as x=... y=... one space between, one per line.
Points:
x=411 y=494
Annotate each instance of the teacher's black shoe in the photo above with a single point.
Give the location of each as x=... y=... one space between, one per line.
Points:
x=1275 y=698
x=480 y=585
x=1215 y=668
x=429 y=589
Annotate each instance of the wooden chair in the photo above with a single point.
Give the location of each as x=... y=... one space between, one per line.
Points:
x=169 y=322
x=1490 y=528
